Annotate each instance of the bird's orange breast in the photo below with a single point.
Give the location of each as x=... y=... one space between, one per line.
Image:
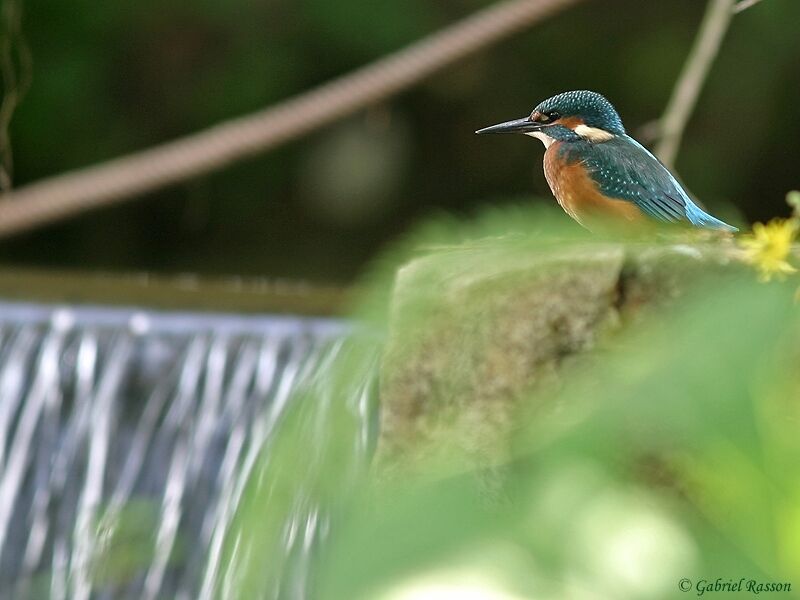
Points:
x=580 y=197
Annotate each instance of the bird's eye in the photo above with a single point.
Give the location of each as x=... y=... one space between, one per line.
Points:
x=544 y=117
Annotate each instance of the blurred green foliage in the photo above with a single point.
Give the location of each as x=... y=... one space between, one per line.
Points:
x=125 y=543
x=671 y=456
x=114 y=77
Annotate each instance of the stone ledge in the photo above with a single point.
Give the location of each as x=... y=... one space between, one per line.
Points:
x=473 y=328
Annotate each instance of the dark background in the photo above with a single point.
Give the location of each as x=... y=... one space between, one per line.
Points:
x=113 y=77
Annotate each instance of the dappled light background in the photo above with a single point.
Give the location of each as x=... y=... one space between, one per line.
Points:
x=115 y=77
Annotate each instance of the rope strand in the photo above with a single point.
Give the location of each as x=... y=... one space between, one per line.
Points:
x=74 y=192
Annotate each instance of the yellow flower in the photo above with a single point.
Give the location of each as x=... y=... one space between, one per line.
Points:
x=769 y=246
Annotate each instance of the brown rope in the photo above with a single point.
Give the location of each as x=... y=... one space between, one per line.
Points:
x=74 y=192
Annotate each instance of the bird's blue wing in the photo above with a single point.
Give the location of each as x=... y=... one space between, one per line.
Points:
x=624 y=169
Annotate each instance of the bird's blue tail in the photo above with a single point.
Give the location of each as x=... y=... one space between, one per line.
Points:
x=699 y=218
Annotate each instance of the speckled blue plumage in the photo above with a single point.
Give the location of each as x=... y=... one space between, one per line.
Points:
x=622 y=168
x=593 y=108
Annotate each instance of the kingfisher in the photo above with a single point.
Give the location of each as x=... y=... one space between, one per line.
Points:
x=601 y=176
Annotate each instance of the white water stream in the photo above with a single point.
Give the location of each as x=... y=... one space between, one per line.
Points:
x=116 y=425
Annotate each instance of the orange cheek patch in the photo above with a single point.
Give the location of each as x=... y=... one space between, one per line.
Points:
x=580 y=198
x=571 y=122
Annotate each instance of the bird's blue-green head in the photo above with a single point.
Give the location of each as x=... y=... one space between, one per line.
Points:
x=571 y=116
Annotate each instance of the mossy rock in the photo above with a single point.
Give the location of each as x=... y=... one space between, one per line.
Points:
x=475 y=329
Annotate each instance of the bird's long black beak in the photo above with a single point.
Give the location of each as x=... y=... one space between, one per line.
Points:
x=517 y=126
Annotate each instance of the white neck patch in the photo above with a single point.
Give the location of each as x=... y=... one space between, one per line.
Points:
x=593 y=134
x=545 y=139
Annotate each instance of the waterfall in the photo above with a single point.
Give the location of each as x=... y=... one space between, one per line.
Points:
x=126 y=439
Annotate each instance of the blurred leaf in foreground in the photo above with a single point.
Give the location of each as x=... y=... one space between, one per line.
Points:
x=665 y=460
x=670 y=455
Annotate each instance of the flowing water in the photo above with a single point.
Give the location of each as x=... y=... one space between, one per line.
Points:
x=126 y=439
